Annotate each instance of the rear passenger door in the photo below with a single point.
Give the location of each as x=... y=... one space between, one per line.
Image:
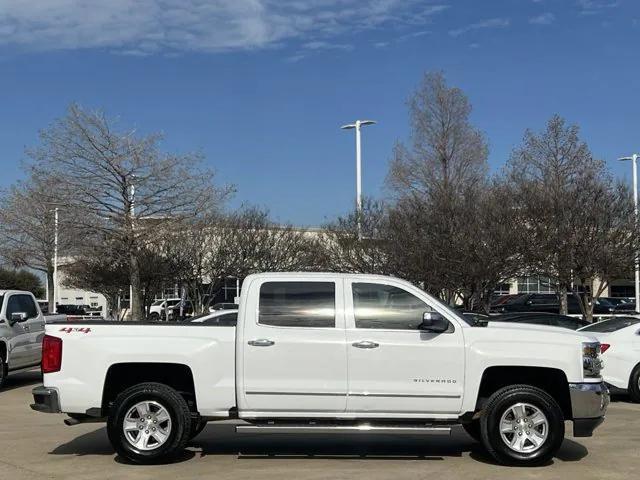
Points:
x=294 y=352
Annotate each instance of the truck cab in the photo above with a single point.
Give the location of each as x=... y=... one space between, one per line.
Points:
x=328 y=353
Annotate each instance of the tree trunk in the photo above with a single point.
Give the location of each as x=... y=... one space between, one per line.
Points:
x=135 y=303
x=564 y=308
x=51 y=300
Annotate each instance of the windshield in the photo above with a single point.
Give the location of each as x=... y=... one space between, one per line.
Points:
x=1 y=300
x=611 y=325
x=157 y=302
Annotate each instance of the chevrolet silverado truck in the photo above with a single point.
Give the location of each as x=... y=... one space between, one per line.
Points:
x=21 y=333
x=327 y=353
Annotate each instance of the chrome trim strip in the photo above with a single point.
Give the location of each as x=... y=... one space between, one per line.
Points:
x=365 y=429
x=399 y=395
x=354 y=394
x=313 y=394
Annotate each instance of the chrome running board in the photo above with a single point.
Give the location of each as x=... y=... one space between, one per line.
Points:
x=361 y=428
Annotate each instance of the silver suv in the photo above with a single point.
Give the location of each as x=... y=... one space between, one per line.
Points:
x=21 y=332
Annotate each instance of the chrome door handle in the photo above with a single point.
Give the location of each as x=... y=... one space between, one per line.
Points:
x=261 y=342
x=27 y=328
x=366 y=344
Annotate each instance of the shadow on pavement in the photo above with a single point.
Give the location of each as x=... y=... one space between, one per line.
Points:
x=222 y=440
x=22 y=379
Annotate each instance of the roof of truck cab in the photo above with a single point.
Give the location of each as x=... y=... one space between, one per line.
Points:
x=323 y=275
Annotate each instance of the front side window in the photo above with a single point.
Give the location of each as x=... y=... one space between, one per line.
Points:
x=386 y=307
x=21 y=304
x=298 y=304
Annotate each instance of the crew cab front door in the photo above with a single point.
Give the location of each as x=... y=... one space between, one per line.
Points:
x=294 y=355
x=394 y=368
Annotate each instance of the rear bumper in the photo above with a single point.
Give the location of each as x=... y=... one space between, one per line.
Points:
x=45 y=399
x=589 y=402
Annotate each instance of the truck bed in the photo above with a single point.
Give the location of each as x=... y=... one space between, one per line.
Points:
x=91 y=349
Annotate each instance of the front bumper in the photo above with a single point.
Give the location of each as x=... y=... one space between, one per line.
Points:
x=589 y=402
x=45 y=399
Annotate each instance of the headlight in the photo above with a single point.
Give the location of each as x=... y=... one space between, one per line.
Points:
x=591 y=363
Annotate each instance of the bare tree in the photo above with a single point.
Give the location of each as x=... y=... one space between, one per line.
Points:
x=442 y=229
x=577 y=222
x=446 y=153
x=27 y=228
x=119 y=184
x=346 y=251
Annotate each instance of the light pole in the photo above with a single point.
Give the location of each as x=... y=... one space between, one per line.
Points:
x=132 y=192
x=357 y=125
x=634 y=163
x=55 y=260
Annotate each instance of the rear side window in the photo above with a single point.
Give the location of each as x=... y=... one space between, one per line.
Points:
x=298 y=304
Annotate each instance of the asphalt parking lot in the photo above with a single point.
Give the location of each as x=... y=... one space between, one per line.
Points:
x=35 y=445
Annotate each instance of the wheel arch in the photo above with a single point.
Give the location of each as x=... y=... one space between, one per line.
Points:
x=121 y=376
x=551 y=380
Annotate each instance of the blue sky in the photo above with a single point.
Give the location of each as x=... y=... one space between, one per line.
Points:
x=261 y=87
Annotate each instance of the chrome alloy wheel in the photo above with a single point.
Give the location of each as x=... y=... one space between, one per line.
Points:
x=147 y=425
x=524 y=428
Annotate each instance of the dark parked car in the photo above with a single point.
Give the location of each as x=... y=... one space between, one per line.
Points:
x=79 y=310
x=625 y=308
x=550 y=303
x=615 y=301
x=551 y=319
x=223 y=306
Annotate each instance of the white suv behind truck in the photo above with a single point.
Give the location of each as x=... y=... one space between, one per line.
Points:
x=327 y=353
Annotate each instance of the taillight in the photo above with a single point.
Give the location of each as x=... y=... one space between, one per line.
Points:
x=51 y=354
x=604 y=347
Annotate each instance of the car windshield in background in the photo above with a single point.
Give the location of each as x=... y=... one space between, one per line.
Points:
x=611 y=325
x=157 y=302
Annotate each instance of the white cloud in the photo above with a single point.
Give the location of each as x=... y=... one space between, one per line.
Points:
x=594 y=7
x=152 y=26
x=543 y=19
x=490 y=23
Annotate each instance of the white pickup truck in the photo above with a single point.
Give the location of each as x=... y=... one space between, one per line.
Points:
x=327 y=353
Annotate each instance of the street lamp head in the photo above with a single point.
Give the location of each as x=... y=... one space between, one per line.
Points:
x=632 y=157
x=359 y=123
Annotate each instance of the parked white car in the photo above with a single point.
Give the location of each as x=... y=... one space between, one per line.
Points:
x=156 y=310
x=327 y=353
x=620 y=344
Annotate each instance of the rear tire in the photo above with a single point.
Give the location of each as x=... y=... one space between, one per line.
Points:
x=634 y=384
x=522 y=425
x=149 y=422
x=154 y=317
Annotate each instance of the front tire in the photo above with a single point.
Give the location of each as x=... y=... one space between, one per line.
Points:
x=149 y=422
x=4 y=371
x=522 y=426
x=634 y=385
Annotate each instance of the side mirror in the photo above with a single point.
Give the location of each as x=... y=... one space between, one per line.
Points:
x=17 y=317
x=433 y=322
